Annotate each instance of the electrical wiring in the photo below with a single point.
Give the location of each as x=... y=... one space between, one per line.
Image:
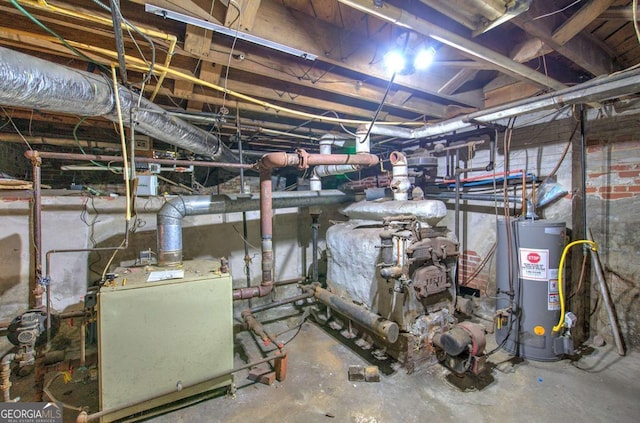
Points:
x=233 y=46
x=75 y=137
x=56 y=35
x=556 y=11
x=136 y=29
x=16 y=128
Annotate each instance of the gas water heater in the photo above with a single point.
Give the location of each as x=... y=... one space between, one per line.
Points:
x=528 y=300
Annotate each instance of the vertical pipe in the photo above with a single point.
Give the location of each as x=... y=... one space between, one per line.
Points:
x=457 y=208
x=117 y=32
x=38 y=289
x=315 y=225
x=245 y=230
x=266 y=225
x=583 y=181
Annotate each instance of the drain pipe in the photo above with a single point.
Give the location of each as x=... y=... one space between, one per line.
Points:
x=321 y=171
x=400 y=183
x=30 y=82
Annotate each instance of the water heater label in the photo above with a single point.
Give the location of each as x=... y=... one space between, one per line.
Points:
x=553 y=303
x=534 y=264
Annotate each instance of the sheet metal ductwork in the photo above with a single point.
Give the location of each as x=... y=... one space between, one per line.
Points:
x=170 y=216
x=30 y=82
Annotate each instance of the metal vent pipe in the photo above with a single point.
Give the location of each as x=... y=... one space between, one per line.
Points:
x=595 y=90
x=169 y=218
x=30 y=82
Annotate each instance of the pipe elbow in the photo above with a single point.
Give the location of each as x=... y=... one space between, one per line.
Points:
x=278 y=159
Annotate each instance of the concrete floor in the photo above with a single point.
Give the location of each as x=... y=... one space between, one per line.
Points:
x=599 y=387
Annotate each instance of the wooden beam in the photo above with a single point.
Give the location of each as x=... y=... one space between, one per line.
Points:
x=197 y=41
x=458 y=80
x=248 y=11
x=580 y=20
x=617 y=13
x=581 y=50
x=209 y=72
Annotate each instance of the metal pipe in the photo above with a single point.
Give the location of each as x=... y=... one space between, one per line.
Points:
x=119 y=159
x=473 y=197
x=169 y=217
x=606 y=298
x=256 y=327
x=595 y=90
x=583 y=175
x=315 y=226
x=38 y=289
x=282 y=302
x=29 y=82
x=117 y=33
x=266 y=225
x=83 y=417
x=400 y=183
x=5 y=378
x=303 y=160
x=382 y=327
x=289 y=281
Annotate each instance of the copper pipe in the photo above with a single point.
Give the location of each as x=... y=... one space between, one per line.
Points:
x=119 y=159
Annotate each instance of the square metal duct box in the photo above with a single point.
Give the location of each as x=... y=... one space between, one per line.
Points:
x=158 y=338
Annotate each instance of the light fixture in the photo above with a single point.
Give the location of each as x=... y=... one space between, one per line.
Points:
x=424 y=57
x=169 y=14
x=407 y=63
x=394 y=61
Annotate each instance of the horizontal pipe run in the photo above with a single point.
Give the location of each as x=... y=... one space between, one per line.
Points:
x=252 y=292
x=169 y=220
x=382 y=327
x=595 y=90
x=119 y=159
x=473 y=197
x=302 y=160
x=289 y=281
x=284 y=301
x=256 y=327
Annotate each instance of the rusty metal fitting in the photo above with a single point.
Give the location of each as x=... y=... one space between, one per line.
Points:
x=304 y=158
x=83 y=417
x=34 y=157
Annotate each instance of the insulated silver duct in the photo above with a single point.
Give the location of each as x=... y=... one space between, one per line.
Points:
x=169 y=219
x=30 y=82
x=595 y=90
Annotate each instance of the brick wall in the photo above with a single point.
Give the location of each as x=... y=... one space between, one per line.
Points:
x=614 y=167
x=469 y=273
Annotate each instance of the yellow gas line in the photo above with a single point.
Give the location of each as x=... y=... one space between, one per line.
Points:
x=140 y=65
x=593 y=245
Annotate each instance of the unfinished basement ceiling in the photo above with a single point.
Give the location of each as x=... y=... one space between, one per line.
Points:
x=524 y=53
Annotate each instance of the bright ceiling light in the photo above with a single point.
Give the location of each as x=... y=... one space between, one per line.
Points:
x=394 y=61
x=424 y=58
